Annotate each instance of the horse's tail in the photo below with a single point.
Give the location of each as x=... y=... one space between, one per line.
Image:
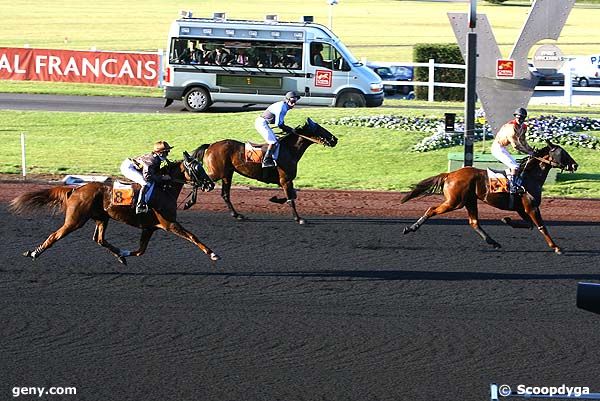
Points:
x=52 y=198
x=198 y=154
x=429 y=186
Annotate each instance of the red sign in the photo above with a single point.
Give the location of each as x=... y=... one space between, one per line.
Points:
x=113 y=68
x=505 y=68
x=323 y=78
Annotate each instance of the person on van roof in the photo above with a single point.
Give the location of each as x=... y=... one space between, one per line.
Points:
x=275 y=114
x=512 y=133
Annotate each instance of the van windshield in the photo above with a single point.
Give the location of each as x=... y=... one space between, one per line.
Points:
x=347 y=53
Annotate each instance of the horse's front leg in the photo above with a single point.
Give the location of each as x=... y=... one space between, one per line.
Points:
x=226 y=195
x=290 y=194
x=534 y=213
x=178 y=230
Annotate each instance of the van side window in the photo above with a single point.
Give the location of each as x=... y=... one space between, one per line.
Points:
x=236 y=53
x=325 y=55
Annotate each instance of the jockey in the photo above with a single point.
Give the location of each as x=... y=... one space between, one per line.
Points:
x=144 y=171
x=275 y=114
x=512 y=133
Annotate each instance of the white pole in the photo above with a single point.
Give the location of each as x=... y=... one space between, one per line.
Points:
x=23 y=161
x=431 y=80
x=330 y=16
x=568 y=85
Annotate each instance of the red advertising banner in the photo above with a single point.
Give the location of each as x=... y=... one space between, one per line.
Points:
x=112 y=68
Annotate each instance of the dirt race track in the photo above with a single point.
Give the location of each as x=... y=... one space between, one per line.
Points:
x=343 y=308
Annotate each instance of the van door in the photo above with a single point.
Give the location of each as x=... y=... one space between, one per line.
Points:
x=326 y=70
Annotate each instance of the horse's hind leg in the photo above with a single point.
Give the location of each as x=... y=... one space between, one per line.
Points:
x=68 y=226
x=99 y=233
x=474 y=223
x=144 y=240
x=444 y=207
x=178 y=230
x=226 y=195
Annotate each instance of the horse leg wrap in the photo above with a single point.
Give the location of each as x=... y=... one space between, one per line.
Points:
x=541 y=228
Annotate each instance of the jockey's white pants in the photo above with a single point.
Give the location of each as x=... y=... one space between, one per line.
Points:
x=130 y=171
x=263 y=128
x=500 y=153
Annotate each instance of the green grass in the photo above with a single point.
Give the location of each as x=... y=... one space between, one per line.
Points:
x=365 y=158
x=382 y=30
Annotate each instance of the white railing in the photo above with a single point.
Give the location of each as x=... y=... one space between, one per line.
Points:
x=566 y=98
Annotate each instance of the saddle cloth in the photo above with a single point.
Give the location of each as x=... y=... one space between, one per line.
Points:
x=254 y=152
x=497 y=181
x=122 y=194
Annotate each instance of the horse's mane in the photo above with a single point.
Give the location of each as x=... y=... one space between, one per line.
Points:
x=537 y=153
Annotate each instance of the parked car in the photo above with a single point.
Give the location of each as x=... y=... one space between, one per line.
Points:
x=590 y=76
x=394 y=73
x=548 y=77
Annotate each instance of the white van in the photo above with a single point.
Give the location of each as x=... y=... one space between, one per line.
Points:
x=220 y=60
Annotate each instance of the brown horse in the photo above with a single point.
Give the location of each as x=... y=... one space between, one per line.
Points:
x=221 y=159
x=93 y=201
x=462 y=188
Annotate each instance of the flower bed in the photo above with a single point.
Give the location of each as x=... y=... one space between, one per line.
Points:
x=560 y=130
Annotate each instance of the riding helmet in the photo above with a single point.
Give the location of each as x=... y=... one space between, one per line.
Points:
x=292 y=95
x=161 y=146
x=520 y=112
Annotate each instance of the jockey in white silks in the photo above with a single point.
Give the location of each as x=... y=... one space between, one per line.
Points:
x=275 y=114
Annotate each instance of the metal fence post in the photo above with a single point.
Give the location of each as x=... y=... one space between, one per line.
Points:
x=431 y=81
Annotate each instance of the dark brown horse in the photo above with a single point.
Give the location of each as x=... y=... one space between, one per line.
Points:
x=221 y=159
x=93 y=201
x=462 y=188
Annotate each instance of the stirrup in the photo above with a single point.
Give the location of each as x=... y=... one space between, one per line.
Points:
x=268 y=162
x=141 y=209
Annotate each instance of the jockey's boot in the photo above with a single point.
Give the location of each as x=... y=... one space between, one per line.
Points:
x=141 y=206
x=515 y=184
x=268 y=160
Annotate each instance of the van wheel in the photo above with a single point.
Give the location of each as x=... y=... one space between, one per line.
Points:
x=197 y=99
x=583 y=82
x=351 y=99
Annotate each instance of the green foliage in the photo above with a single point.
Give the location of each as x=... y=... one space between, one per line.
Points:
x=442 y=54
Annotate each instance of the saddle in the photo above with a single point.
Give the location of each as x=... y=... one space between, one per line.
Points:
x=254 y=152
x=122 y=194
x=497 y=181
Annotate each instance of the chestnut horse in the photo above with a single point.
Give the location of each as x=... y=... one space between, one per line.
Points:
x=93 y=201
x=221 y=159
x=462 y=188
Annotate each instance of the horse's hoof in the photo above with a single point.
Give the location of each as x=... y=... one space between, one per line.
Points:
x=506 y=220
x=214 y=256
x=301 y=221
x=496 y=245
x=29 y=254
x=558 y=251
x=239 y=217
x=406 y=230
x=122 y=260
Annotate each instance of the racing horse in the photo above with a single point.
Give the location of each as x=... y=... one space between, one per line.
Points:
x=93 y=201
x=463 y=187
x=221 y=159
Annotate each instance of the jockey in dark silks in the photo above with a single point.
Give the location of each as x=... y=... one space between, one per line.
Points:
x=144 y=171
